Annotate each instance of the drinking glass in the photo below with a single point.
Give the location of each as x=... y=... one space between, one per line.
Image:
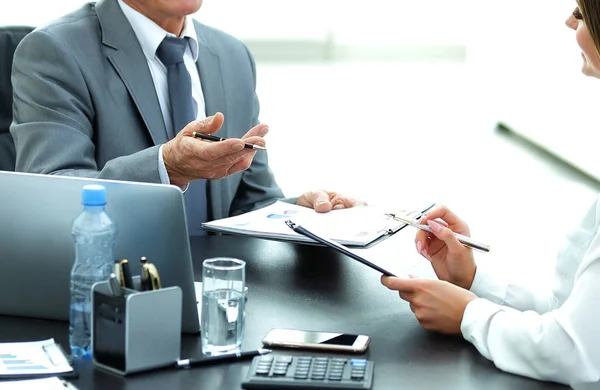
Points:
x=223 y=305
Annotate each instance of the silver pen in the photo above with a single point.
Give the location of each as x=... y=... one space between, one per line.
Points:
x=466 y=241
x=114 y=287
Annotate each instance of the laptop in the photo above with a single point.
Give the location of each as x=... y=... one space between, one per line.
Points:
x=37 y=249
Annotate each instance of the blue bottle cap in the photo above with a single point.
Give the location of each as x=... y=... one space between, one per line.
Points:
x=93 y=195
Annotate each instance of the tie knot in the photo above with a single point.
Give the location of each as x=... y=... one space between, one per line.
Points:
x=171 y=50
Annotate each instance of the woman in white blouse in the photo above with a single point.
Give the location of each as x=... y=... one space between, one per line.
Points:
x=548 y=335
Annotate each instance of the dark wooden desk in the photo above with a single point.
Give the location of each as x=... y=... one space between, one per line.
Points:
x=308 y=287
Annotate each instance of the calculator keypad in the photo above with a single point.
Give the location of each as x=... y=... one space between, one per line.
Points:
x=284 y=371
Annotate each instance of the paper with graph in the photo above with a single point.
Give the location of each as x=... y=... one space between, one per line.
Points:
x=32 y=358
x=52 y=383
x=355 y=226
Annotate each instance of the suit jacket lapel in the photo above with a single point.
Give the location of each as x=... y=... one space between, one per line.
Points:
x=127 y=57
x=211 y=79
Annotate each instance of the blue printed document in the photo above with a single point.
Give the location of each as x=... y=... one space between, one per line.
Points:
x=26 y=359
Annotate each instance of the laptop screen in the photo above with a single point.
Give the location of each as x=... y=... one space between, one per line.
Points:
x=37 y=250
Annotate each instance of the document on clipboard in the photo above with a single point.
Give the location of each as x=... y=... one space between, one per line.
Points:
x=358 y=227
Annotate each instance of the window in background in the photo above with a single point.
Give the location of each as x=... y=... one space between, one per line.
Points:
x=344 y=30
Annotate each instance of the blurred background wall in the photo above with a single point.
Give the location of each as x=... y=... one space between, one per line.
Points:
x=348 y=87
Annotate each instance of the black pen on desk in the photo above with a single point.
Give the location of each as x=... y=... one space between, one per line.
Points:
x=208 y=137
x=466 y=241
x=229 y=357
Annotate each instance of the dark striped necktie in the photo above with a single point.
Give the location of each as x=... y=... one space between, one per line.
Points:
x=183 y=111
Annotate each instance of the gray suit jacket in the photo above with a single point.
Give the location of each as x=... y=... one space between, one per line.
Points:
x=85 y=105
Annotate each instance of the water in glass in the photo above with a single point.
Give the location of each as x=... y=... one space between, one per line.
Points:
x=223 y=313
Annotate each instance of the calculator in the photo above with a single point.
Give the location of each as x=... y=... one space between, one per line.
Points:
x=308 y=372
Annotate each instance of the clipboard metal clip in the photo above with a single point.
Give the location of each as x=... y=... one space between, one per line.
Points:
x=386 y=231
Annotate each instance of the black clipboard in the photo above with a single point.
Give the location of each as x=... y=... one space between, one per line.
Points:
x=334 y=245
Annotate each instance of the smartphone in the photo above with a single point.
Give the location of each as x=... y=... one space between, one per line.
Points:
x=338 y=342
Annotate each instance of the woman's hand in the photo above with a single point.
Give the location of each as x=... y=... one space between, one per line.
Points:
x=439 y=306
x=451 y=260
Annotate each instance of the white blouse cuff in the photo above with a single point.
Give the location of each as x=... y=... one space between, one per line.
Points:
x=488 y=284
x=475 y=323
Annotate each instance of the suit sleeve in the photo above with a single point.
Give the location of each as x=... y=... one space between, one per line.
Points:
x=53 y=117
x=258 y=187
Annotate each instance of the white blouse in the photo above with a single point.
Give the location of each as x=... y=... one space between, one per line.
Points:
x=548 y=335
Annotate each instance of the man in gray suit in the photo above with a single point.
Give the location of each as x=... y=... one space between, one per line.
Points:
x=92 y=98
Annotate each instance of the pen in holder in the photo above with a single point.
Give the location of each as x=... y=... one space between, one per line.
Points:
x=135 y=331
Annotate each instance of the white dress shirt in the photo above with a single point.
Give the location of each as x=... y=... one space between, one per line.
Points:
x=150 y=35
x=549 y=335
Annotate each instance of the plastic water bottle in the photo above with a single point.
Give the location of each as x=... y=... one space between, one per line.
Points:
x=94 y=235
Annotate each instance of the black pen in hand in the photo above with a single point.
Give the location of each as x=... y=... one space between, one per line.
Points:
x=208 y=137
x=229 y=357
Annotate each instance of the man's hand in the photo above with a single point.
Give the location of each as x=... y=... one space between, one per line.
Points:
x=187 y=158
x=323 y=201
x=438 y=305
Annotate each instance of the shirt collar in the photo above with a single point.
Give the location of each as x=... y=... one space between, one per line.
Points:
x=150 y=34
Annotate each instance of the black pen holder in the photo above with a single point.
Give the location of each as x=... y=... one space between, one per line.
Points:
x=138 y=331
